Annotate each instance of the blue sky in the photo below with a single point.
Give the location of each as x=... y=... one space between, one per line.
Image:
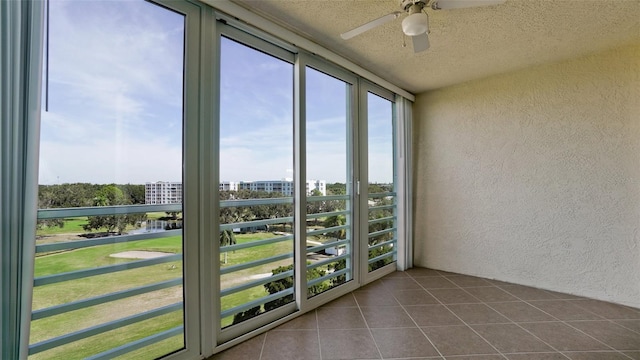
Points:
x=115 y=104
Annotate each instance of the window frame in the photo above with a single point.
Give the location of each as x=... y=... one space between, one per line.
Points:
x=367 y=87
x=203 y=29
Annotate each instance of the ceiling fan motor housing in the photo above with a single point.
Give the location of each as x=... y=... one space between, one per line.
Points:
x=408 y=5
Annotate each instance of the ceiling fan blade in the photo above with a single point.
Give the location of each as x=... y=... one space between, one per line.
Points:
x=420 y=42
x=370 y=25
x=459 y=4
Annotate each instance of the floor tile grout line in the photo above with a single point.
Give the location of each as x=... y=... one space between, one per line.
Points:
x=315 y=311
x=528 y=302
x=575 y=300
x=467 y=325
x=611 y=321
x=609 y=303
x=420 y=329
x=551 y=292
x=597 y=352
x=527 y=331
x=368 y=328
x=580 y=307
x=626 y=327
x=521 y=327
x=628 y=356
x=512 y=322
x=264 y=341
x=566 y=322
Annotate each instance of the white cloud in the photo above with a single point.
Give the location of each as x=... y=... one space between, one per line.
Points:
x=115 y=90
x=107 y=162
x=116 y=104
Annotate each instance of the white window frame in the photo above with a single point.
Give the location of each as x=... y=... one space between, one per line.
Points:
x=201 y=131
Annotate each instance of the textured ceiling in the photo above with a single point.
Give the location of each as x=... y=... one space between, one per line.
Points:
x=466 y=44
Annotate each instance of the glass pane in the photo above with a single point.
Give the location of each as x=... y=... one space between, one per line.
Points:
x=382 y=196
x=256 y=185
x=329 y=256
x=114 y=124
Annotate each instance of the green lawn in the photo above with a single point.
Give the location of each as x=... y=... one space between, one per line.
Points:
x=74 y=225
x=71 y=226
x=91 y=257
x=248 y=255
x=99 y=255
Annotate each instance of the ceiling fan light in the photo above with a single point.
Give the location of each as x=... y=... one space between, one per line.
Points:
x=415 y=24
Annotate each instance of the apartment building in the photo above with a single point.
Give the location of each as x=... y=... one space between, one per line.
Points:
x=161 y=192
x=284 y=186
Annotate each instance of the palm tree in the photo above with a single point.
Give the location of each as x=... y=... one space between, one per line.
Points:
x=336 y=220
x=227 y=238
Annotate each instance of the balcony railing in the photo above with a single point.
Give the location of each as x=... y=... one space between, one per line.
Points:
x=78 y=281
x=243 y=279
x=383 y=234
x=254 y=289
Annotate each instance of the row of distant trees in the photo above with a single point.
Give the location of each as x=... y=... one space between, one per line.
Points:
x=88 y=195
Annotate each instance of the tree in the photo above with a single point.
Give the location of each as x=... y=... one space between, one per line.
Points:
x=49 y=223
x=274 y=287
x=377 y=252
x=86 y=195
x=246 y=315
x=230 y=215
x=63 y=196
x=380 y=188
x=227 y=237
x=66 y=195
x=315 y=207
x=336 y=189
x=111 y=195
x=135 y=193
x=171 y=215
x=336 y=266
x=336 y=220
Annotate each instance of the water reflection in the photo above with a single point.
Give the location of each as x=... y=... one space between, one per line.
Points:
x=157 y=226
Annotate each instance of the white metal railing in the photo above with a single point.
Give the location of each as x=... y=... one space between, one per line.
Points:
x=227 y=270
x=58 y=309
x=147 y=288
x=384 y=239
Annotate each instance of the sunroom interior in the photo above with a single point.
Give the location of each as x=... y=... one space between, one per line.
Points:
x=508 y=163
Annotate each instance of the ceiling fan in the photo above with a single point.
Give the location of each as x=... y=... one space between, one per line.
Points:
x=416 y=24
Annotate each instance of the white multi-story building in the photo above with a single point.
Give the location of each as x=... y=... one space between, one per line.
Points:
x=171 y=192
x=319 y=185
x=284 y=186
x=163 y=193
x=228 y=186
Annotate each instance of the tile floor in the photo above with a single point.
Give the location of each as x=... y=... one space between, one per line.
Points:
x=429 y=314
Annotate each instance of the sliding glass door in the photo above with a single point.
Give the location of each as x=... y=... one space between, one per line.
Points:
x=306 y=183
x=255 y=187
x=379 y=200
x=329 y=177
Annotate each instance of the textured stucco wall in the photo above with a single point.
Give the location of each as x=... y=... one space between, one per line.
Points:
x=533 y=177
